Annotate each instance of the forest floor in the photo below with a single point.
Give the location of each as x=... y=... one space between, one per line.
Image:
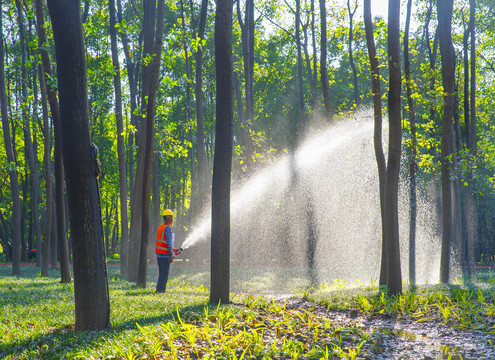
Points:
x=394 y=337
x=330 y=322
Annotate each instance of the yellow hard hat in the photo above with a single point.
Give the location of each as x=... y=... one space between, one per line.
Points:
x=168 y=212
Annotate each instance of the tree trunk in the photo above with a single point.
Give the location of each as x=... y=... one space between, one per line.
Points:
x=30 y=154
x=132 y=65
x=470 y=210
x=220 y=203
x=300 y=85
x=203 y=173
x=325 y=88
x=444 y=11
x=312 y=84
x=120 y=140
x=357 y=99
x=13 y=176
x=394 y=277
x=194 y=199
x=92 y=305
x=412 y=153
x=248 y=40
x=138 y=190
x=59 y=175
x=151 y=77
x=378 y=120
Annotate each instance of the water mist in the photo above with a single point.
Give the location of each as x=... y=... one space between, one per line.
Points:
x=325 y=193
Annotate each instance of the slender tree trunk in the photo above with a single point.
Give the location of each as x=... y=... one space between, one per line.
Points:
x=138 y=191
x=13 y=176
x=59 y=175
x=457 y=218
x=444 y=11
x=30 y=155
x=352 y=12
x=300 y=85
x=394 y=277
x=203 y=175
x=92 y=304
x=149 y=103
x=124 y=224
x=243 y=136
x=378 y=119
x=432 y=57
x=194 y=195
x=312 y=84
x=325 y=88
x=132 y=65
x=316 y=103
x=222 y=166
x=412 y=153
x=470 y=209
x=248 y=41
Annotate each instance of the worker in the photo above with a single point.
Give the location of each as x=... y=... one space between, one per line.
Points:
x=165 y=253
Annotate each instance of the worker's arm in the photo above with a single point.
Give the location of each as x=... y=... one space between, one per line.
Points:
x=168 y=239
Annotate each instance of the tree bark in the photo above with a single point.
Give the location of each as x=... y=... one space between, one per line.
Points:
x=222 y=167
x=444 y=11
x=12 y=168
x=92 y=305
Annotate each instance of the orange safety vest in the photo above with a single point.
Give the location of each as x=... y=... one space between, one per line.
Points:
x=161 y=243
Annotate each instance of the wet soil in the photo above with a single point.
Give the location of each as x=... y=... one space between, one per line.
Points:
x=404 y=338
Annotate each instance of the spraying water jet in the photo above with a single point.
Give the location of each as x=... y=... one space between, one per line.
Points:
x=336 y=192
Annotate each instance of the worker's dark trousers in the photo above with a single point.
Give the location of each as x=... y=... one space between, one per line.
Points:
x=163 y=269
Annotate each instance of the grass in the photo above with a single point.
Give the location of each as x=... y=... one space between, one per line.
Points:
x=37 y=317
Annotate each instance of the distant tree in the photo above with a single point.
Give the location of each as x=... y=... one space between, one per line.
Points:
x=92 y=305
x=151 y=77
x=51 y=93
x=444 y=11
x=470 y=121
x=352 y=11
x=138 y=195
x=248 y=42
x=12 y=166
x=203 y=172
x=378 y=120
x=120 y=137
x=300 y=83
x=222 y=163
x=413 y=151
x=323 y=61
x=28 y=142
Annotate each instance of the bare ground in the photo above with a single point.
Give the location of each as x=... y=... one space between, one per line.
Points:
x=404 y=338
